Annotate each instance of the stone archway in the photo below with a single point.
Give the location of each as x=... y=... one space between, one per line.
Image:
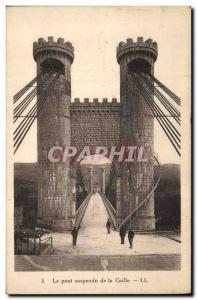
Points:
x=95 y=171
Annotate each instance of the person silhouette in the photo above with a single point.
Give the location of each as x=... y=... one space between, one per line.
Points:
x=130 y=238
x=74 y=233
x=122 y=234
x=108 y=225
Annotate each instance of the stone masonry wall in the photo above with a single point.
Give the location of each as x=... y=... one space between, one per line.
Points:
x=137 y=128
x=54 y=205
x=95 y=123
x=54 y=59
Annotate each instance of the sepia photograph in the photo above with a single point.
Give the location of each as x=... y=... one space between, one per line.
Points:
x=98 y=150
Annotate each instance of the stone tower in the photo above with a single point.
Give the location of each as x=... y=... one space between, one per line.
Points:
x=54 y=60
x=136 y=129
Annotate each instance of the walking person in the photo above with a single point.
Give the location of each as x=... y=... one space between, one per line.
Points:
x=108 y=225
x=74 y=233
x=130 y=238
x=122 y=234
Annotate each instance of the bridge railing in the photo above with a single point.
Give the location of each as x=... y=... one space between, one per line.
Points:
x=81 y=210
x=110 y=210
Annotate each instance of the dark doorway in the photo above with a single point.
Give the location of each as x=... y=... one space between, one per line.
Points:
x=139 y=66
x=52 y=65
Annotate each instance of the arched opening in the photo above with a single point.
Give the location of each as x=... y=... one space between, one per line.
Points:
x=96 y=171
x=139 y=66
x=52 y=65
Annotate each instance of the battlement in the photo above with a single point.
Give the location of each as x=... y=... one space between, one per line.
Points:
x=85 y=106
x=130 y=46
x=95 y=102
x=50 y=45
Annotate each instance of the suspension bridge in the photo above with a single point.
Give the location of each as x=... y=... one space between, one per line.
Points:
x=46 y=98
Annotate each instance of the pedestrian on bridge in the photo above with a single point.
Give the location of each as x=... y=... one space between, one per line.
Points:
x=130 y=238
x=122 y=234
x=74 y=233
x=108 y=225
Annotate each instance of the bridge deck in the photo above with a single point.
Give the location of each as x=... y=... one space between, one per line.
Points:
x=94 y=240
x=95 y=217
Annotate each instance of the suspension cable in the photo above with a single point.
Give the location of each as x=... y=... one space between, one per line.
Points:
x=147 y=99
x=25 y=105
x=164 y=127
x=25 y=121
x=170 y=108
x=146 y=195
x=149 y=89
x=165 y=119
x=18 y=95
x=28 y=122
x=168 y=91
x=24 y=100
x=29 y=113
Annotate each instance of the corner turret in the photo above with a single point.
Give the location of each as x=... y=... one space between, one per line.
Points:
x=52 y=48
x=139 y=48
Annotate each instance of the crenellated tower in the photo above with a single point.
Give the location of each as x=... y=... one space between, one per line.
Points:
x=54 y=60
x=136 y=129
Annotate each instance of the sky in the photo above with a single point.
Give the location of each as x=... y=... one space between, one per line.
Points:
x=95 y=34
